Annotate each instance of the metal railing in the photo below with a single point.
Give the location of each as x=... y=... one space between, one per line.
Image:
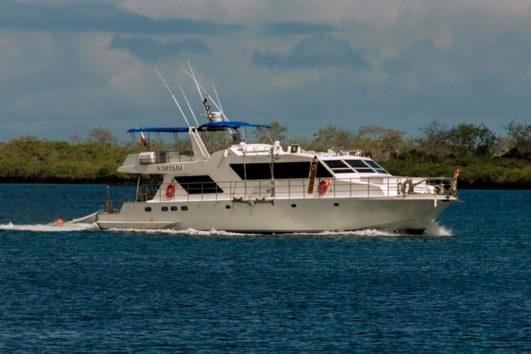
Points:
x=267 y=190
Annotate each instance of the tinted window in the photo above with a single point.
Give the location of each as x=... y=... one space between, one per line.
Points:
x=381 y=170
x=364 y=170
x=322 y=172
x=342 y=170
x=356 y=163
x=282 y=170
x=252 y=170
x=286 y=170
x=198 y=184
x=336 y=164
x=372 y=164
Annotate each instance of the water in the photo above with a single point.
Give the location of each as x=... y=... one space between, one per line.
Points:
x=463 y=287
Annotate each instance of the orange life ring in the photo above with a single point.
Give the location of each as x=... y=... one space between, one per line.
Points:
x=170 y=191
x=323 y=187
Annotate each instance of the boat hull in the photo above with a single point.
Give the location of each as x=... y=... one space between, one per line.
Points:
x=295 y=215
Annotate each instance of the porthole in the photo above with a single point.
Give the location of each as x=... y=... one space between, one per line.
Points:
x=293 y=205
x=336 y=204
x=174 y=208
x=227 y=206
x=147 y=209
x=184 y=208
x=164 y=208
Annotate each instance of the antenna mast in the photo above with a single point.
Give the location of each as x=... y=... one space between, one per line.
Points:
x=189 y=107
x=204 y=100
x=219 y=102
x=172 y=96
x=201 y=90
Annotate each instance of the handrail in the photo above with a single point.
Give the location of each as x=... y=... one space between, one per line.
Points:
x=257 y=190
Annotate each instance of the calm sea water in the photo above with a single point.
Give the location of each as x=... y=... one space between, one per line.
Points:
x=467 y=289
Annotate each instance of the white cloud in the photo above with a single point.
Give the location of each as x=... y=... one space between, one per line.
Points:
x=425 y=59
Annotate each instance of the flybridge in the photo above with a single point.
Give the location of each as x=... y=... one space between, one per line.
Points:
x=217 y=120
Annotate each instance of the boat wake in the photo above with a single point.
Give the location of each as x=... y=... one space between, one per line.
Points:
x=186 y=232
x=434 y=230
x=48 y=227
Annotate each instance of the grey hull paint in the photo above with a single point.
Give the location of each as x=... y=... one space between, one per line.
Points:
x=302 y=215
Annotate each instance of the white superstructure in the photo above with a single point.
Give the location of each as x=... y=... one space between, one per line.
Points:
x=267 y=187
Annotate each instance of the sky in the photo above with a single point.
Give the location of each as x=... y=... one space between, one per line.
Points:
x=69 y=66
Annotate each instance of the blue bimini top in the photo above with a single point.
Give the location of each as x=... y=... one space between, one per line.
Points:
x=159 y=130
x=229 y=124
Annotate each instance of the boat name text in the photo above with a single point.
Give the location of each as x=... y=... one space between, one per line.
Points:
x=169 y=168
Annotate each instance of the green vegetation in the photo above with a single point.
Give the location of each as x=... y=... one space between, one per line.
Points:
x=33 y=160
x=487 y=160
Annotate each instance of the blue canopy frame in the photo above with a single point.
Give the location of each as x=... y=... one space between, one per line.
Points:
x=229 y=124
x=159 y=130
x=204 y=127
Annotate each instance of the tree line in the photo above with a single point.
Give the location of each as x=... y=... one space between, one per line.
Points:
x=487 y=159
x=435 y=142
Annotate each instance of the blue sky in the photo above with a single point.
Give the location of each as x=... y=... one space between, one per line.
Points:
x=69 y=66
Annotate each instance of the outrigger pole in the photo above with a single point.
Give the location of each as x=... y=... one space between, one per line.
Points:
x=200 y=89
x=189 y=107
x=203 y=99
x=172 y=96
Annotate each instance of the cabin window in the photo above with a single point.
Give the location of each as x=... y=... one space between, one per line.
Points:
x=282 y=170
x=338 y=166
x=342 y=170
x=147 y=209
x=382 y=171
x=335 y=164
x=164 y=208
x=174 y=208
x=372 y=164
x=227 y=206
x=356 y=163
x=293 y=205
x=364 y=170
x=336 y=204
x=198 y=184
x=322 y=172
x=184 y=208
x=360 y=166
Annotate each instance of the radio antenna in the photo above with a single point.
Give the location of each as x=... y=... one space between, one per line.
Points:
x=172 y=96
x=204 y=100
x=189 y=107
x=219 y=102
x=202 y=89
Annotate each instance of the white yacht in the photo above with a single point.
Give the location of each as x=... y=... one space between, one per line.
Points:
x=265 y=188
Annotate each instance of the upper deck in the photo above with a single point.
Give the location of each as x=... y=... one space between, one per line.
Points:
x=254 y=161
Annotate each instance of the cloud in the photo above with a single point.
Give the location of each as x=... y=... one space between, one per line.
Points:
x=297 y=27
x=319 y=51
x=97 y=17
x=150 y=49
x=68 y=66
